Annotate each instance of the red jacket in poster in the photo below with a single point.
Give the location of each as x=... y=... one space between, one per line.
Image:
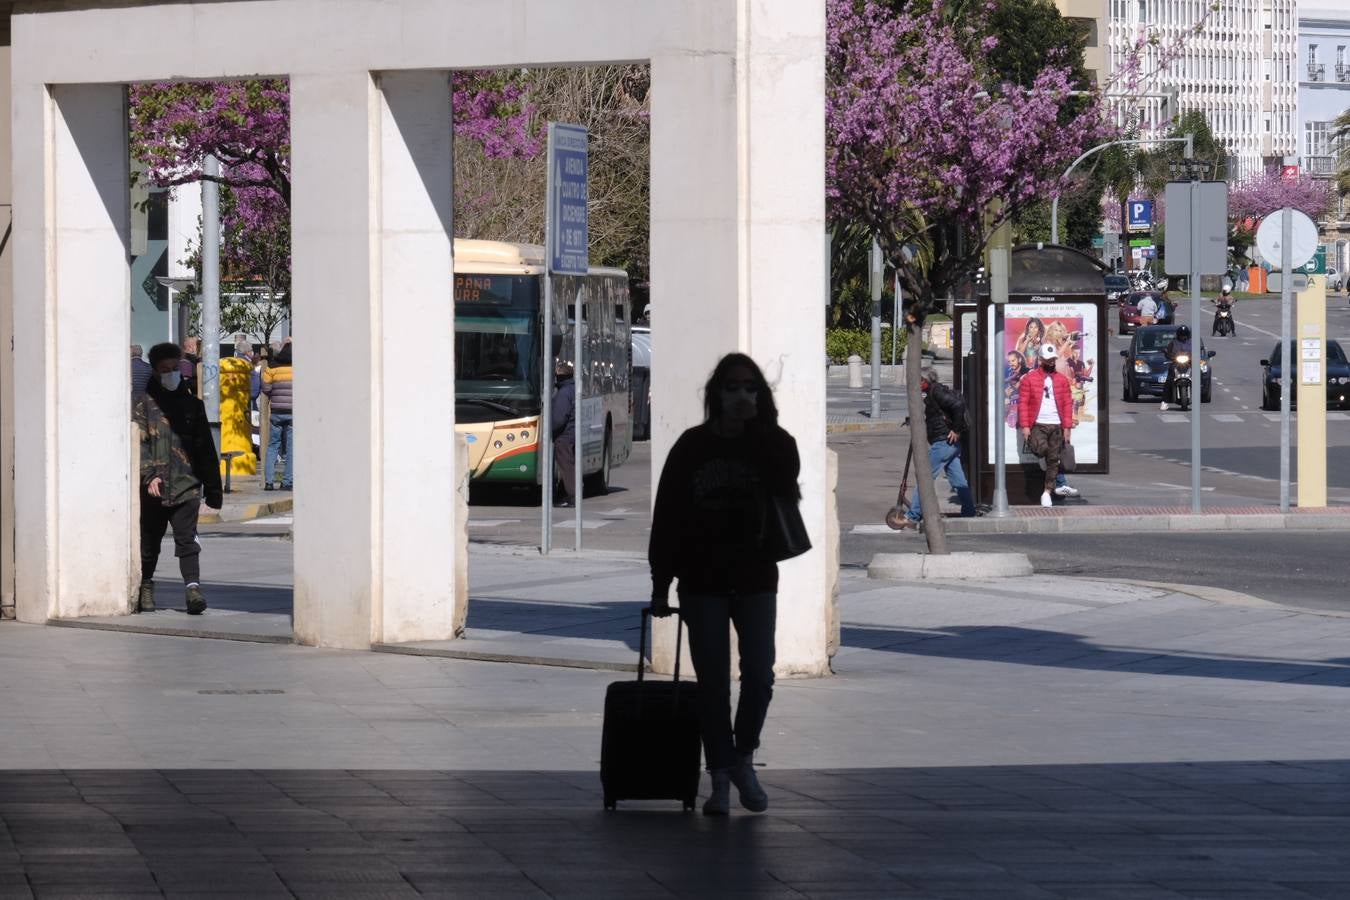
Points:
x=1031 y=391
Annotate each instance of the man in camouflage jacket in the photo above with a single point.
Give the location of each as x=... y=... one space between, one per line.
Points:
x=179 y=469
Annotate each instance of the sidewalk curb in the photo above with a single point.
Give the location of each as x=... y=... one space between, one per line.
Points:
x=171 y=632
x=857 y=427
x=1090 y=524
x=1231 y=598
x=959 y=565
x=247 y=512
x=556 y=662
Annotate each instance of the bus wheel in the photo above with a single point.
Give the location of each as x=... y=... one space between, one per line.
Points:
x=597 y=483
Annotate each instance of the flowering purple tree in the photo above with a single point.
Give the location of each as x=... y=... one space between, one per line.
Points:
x=928 y=152
x=246 y=126
x=1257 y=197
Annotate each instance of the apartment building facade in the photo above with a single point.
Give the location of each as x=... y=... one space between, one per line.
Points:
x=1240 y=70
x=1323 y=95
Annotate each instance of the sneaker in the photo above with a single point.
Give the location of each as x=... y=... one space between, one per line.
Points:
x=742 y=775
x=719 y=801
x=268 y=487
x=1163 y=406
x=1066 y=490
x=145 y=597
x=196 y=600
x=1045 y=499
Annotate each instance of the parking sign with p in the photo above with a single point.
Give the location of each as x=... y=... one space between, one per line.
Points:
x=1140 y=215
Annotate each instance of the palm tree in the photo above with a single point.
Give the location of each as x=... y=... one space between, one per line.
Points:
x=1340 y=137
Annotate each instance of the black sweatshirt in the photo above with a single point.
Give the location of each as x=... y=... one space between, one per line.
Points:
x=707 y=526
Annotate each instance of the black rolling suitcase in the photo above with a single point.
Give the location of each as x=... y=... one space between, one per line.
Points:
x=650 y=748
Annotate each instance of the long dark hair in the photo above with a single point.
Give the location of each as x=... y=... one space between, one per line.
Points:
x=766 y=410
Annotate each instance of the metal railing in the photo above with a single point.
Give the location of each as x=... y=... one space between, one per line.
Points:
x=1320 y=165
x=1342 y=72
x=1317 y=71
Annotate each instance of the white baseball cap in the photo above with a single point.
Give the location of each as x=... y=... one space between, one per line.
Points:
x=1048 y=351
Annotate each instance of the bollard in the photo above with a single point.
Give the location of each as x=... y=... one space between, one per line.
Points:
x=855 y=378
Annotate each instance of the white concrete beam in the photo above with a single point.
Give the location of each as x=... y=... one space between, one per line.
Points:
x=415 y=353
x=334 y=141
x=738 y=211
x=72 y=293
x=375 y=554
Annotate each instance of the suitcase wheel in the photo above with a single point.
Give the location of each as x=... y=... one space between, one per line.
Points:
x=690 y=803
x=611 y=803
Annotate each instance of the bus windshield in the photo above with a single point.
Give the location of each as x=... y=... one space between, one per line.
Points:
x=497 y=349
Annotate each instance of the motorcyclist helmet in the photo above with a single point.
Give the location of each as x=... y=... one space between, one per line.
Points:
x=1184 y=333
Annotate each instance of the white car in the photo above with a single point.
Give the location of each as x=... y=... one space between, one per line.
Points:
x=1333 y=279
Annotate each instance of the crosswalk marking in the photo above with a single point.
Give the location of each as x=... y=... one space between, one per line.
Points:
x=1272 y=417
x=1173 y=418
x=1227 y=417
x=1123 y=420
x=1338 y=417
x=491 y=523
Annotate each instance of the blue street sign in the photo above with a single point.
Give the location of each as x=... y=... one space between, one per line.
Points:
x=569 y=236
x=1141 y=215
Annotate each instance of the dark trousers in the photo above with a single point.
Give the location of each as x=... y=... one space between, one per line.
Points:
x=565 y=461
x=1046 y=441
x=709 y=617
x=155 y=520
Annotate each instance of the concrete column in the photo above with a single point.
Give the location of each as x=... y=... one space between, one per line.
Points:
x=6 y=351
x=375 y=497
x=747 y=243
x=72 y=290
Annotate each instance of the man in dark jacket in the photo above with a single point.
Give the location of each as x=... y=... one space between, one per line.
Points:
x=944 y=415
x=564 y=412
x=179 y=469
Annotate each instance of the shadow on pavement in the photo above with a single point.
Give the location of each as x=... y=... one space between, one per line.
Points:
x=1199 y=829
x=1038 y=647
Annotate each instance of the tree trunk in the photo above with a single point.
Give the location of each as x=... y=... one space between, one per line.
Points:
x=934 y=529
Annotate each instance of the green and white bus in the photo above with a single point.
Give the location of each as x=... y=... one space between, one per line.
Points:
x=499 y=290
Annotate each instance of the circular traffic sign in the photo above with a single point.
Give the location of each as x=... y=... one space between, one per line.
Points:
x=1302 y=246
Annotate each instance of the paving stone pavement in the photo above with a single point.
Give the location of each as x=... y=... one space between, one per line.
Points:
x=1037 y=737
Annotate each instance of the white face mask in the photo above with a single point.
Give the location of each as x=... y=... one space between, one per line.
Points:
x=170 y=380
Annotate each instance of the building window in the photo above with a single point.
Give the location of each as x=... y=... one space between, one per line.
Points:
x=1316 y=138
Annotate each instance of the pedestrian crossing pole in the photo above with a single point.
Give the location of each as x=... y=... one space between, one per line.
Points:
x=1197 y=360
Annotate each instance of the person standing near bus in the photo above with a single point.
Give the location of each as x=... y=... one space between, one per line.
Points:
x=564 y=412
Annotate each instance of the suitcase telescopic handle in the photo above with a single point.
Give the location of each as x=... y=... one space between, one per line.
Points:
x=642 y=639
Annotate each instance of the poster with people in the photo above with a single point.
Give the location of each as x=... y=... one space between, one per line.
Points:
x=1072 y=329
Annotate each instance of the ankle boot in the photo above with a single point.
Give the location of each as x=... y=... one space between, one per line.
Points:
x=145 y=597
x=742 y=775
x=195 y=599
x=719 y=801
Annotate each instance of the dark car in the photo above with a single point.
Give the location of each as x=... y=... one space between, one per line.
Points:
x=1128 y=310
x=1338 y=379
x=1145 y=369
x=1117 y=286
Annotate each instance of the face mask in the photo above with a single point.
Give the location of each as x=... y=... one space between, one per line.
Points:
x=1048 y=365
x=170 y=380
x=739 y=403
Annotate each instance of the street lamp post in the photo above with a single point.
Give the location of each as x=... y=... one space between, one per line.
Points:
x=1188 y=140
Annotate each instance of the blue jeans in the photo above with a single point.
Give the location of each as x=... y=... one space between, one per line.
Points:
x=1060 y=480
x=280 y=439
x=709 y=617
x=945 y=457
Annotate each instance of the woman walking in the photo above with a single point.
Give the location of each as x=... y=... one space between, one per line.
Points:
x=708 y=532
